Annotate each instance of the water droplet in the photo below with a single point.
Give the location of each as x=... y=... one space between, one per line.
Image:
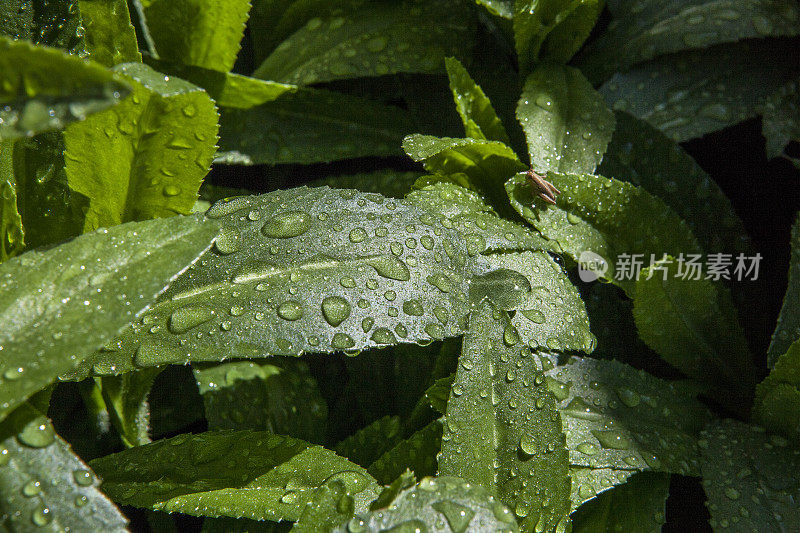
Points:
x=41 y=516
x=367 y=323
x=172 y=190
x=588 y=448
x=228 y=241
x=185 y=318
x=435 y=331
x=390 y=267
x=629 y=397
x=376 y=44
x=413 y=308
x=458 y=517
x=287 y=225
x=732 y=493
x=612 y=439
x=527 y=444
x=358 y=235
x=83 y=477
x=290 y=310
x=289 y=498
x=580 y=409
x=534 y=315
x=37 y=434
x=560 y=390
x=716 y=111
x=342 y=341
x=31 y=489
x=335 y=309
x=383 y=336
x=762 y=25
x=544 y=102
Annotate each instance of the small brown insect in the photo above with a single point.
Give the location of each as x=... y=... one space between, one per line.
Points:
x=546 y=190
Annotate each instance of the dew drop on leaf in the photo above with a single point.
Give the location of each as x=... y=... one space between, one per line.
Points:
x=287 y=225
x=335 y=309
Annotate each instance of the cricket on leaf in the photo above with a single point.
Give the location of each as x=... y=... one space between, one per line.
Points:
x=546 y=190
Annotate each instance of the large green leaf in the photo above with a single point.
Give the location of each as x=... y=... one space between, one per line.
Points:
x=59 y=305
x=367 y=39
x=777 y=405
x=330 y=506
x=644 y=156
x=45 y=486
x=306 y=270
x=636 y=505
x=279 y=396
x=431 y=504
x=43 y=22
x=788 y=329
x=640 y=31
x=620 y=421
x=110 y=37
x=552 y=29
x=566 y=122
x=502 y=430
x=311 y=126
x=45 y=89
x=476 y=111
x=693 y=325
x=12 y=237
x=203 y=33
x=240 y=474
x=781 y=120
x=689 y=94
x=750 y=478
x=146 y=158
x=607 y=217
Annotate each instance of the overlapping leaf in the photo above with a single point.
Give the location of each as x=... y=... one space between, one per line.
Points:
x=125 y=399
x=367 y=39
x=788 y=329
x=367 y=445
x=417 y=453
x=502 y=430
x=389 y=183
x=330 y=506
x=52 y=301
x=147 y=158
x=750 y=478
x=686 y=95
x=781 y=120
x=12 y=238
x=476 y=111
x=566 y=122
x=110 y=37
x=45 y=486
x=45 y=89
x=250 y=474
x=777 y=405
x=607 y=217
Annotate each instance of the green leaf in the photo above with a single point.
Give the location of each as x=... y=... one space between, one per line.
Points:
x=373 y=272
x=45 y=486
x=606 y=217
x=636 y=505
x=777 y=405
x=42 y=22
x=434 y=502
x=366 y=445
x=552 y=29
x=240 y=474
x=565 y=121
x=476 y=111
x=417 y=453
x=311 y=126
x=438 y=393
x=640 y=31
x=501 y=8
x=125 y=398
x=330 y=506
x=368 y=39
x=279 y=396
x=750 y=478
x=689 y=94
x=110 y=37
x=61 y=304
x=146 y=158
x=642 y=155
x=693 y=325
x=389 y=183
x=203 y=33
x=781 y=120
x=12 y=236
x=549 y=311
x=45 y=89
x=787 y=330
x=502 y=430
x=620 y=421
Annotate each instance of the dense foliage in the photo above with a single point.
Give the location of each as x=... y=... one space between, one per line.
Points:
x=415 y=347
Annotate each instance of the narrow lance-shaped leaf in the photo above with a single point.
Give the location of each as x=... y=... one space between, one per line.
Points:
x=566 y=122
x=51 y=301
x=640 y=31
x=367 y=444
x=125 y=398
x=787 y=330
x=750 y=478
x=476 y=111
x=620 y=421
x=621 y=223
x=689 y=94
x=642 y=155
x=781 y=119
x=501 y=8
x=311 y=126
x=12 y=238
x=777 y=405
x=306 y=270
x=693 y=325
x=502 y=430
x=203 y=33
x=417 y=453
x=371 y=39
x=44 y=89
x=330 y=506
x=241 y=474
x=110 y=37
x=433 y=502
x=147 y=158
x=45 y=486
